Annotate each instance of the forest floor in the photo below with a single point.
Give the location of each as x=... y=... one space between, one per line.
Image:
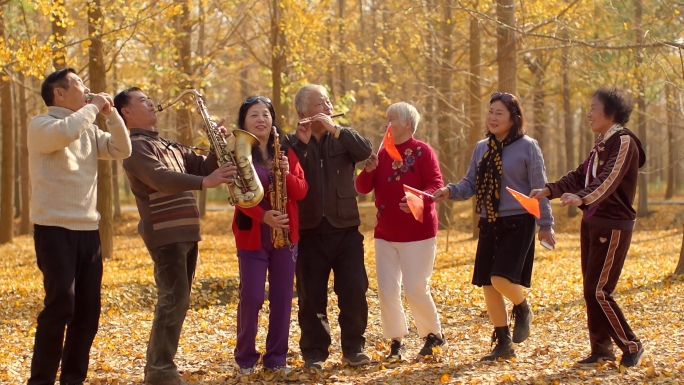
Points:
x=648 y=293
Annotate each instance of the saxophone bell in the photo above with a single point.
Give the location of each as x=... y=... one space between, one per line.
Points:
x=246 y=190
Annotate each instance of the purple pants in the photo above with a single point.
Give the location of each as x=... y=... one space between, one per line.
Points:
x=280 y=264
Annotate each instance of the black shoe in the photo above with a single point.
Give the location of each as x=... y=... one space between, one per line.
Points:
x=632 y=359
x=396 y=350
x=595 y=358
x=522 y=314
x=504 y=346
x=431 y=342
x=313 y=363
x=356 y=359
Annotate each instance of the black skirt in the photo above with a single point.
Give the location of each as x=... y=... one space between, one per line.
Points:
x=505 y=248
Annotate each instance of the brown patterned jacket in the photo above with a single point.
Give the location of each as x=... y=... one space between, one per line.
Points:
x=607 y=194
x=162 y=176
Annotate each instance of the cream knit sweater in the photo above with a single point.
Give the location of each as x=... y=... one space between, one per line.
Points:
x=64 y=147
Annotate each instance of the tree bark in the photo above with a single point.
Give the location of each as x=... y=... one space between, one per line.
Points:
x=680 y=265
x=25 y=223
x=59 y=32
x=115 y=189
x=506 y=54
x=278 y=62
x=568 y=122
x=475 y=101
x=184 y=65
x=670 y=111
x=98 y=83
x=7 y=182
x=446 y=137
x=642 y=210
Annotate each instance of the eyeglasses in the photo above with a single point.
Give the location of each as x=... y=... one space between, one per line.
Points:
x=254 y=99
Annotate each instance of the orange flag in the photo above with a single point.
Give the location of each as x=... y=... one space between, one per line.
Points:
x=414 y=200
x=529 y=204
x=388 y=142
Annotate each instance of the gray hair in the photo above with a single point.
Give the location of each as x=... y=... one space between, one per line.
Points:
x=406 y=112
x=301 y=100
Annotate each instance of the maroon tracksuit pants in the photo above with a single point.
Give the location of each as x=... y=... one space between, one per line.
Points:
x=603 y=255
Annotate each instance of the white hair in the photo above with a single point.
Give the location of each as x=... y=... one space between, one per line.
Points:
x=406 y=112
x=301 y=100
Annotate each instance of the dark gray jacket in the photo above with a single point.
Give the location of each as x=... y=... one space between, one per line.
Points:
x=329 y=171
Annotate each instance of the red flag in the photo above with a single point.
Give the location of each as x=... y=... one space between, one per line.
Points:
x=388 y=142
x=414 y=202
x=529 y=204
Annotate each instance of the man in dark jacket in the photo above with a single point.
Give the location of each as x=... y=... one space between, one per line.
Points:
x=604 y=186
x=163 y=175
x=329 y=235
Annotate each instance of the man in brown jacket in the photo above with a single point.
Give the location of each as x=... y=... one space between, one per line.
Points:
x=604 y=187
x=329 y=235
x=162 y=176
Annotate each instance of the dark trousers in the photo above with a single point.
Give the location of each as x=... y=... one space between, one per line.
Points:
x=341 y=252
x=280 y=265
x=71 y=263
x=603 y=255
x=174 y=270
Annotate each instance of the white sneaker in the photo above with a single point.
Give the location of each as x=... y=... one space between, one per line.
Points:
x=282 y=370
x=246 y=370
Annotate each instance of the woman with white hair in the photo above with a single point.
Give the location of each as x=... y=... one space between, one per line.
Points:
x=405 y=248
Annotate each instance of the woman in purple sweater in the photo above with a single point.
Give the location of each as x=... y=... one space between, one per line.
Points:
x=505 y=248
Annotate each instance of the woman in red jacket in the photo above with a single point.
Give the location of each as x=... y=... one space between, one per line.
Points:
x=255 y=250
x=405 y=247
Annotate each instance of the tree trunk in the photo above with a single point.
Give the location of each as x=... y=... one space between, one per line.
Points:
x=680 y=265
x=341 y=48
x=115 y=188
x=17 y=153
x=670 y=111
x=25 y=223
x=59 y=15
x=446 y=137
x=642 y=210
x=7 y=183
x=183 y=42
x=98 y=83
x=278 y=62
x=506 y=54
x=475 y=101
x=567 y=111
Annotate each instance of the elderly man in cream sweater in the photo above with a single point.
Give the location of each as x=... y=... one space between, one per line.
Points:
x=64 y=146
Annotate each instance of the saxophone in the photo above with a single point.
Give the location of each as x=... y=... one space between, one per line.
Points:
x=277 y=193
x=246 y=190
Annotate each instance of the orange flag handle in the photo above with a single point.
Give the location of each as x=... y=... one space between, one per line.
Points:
x=529 y=204
x=418 y=192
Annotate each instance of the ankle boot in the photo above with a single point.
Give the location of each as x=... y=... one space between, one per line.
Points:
x=523 y=318
x=504 y=346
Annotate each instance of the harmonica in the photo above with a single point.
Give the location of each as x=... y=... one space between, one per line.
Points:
x=308 y=120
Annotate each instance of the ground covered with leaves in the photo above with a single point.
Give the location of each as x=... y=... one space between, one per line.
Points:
x=649 y=294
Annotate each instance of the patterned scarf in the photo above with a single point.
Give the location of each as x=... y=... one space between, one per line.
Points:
x=488 y=181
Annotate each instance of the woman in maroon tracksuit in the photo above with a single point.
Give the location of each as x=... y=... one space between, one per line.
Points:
x=604 y=187
x=255 y=250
